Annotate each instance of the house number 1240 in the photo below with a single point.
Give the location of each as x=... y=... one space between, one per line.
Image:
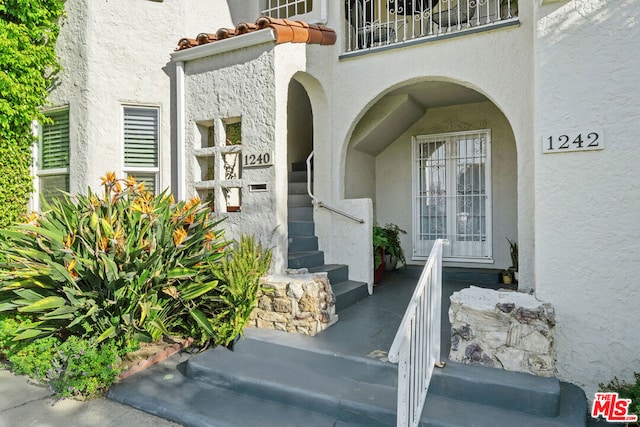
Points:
x=255 y=160
x=586 y=141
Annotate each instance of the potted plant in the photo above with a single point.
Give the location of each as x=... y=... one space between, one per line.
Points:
x=386 y=247
x=513 y=250
x=393 y=251
x=507 y=278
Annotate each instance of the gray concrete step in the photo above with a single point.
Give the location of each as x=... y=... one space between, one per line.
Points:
x=499 y=388
x=335 y=272
x=442 y=411
x=299 y=166
x=301 y=228
x=473 y=275
x=298 y=188
x=300 y=213
x=303 y=243
x=348 y=293
x=305 y=259
x=164 y=391
x=298 y=176
x=297 y=382
x=298 y=200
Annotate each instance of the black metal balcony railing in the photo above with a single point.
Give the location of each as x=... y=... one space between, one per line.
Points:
x=375 y=23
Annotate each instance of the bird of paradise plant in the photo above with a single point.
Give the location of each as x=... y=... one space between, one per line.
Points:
x=126 y=265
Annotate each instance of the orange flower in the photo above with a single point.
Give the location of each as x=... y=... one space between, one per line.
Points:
x=179 y=235
x=70 y=269
x=210 y=236
x=102 y=244
x=68 y=241
x=32 y=219
x=130 y=181
x=109 y=179
x=189 y=220
x=192 y=202
x=141 y=205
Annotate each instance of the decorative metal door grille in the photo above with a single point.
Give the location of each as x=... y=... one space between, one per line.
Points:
x=452 y=194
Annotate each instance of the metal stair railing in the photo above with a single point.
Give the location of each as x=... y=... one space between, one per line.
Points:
x=416 y=347
x=320 y=204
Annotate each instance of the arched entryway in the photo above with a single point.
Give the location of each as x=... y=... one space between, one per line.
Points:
x=439 y=160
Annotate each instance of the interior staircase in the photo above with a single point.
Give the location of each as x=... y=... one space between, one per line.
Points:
x=303 y=243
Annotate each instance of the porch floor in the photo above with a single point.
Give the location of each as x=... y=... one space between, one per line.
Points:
x=367 y=328
x=339 y=377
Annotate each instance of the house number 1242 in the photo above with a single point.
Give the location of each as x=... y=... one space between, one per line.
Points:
x=584 y=141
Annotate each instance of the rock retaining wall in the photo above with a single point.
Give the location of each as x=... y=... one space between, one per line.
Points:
x=502 y=329
x=299 y=302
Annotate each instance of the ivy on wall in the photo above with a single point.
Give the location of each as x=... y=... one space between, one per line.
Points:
x=28 y=65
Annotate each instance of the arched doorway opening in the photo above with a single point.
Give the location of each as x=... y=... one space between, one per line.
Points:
x=439 y=160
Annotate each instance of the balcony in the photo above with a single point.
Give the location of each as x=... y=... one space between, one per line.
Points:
x=379 y=24
x=382 y=24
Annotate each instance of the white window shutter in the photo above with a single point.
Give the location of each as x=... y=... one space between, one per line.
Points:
x=54 y=152
x=140 y=137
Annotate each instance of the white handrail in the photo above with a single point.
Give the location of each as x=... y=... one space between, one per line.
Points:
x=320 y=204
x=416 y=347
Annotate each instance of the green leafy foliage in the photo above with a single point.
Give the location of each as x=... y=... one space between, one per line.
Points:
x=80 y=367
x=239 y=276
x=28 y=33
x=386 y=240
x=626 y=390
x=125 y=265
x=74 y=368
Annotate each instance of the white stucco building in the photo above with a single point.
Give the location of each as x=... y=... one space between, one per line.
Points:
x=518 y=120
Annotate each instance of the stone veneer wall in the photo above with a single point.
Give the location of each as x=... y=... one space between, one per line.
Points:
x=297 y=302
x=502 y=329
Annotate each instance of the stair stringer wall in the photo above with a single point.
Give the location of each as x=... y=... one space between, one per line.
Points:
x=345 y=241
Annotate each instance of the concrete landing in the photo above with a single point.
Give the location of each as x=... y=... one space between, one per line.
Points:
x=342 y=377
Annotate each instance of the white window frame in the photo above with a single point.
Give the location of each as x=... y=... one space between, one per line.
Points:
x=133 y=170
x=39 y=172
x=421 y=256
x=316 y=14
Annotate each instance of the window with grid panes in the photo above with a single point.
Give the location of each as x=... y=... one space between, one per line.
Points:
x=141 y=145
x=219 y=160
x=286 y=8
x=53 y=156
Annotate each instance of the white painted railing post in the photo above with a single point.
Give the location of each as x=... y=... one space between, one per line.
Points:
x=416 y=347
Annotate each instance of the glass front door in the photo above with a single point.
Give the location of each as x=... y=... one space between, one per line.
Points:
x=452 y=197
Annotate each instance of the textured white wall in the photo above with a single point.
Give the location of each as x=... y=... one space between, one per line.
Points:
x=117 y=52
x=498 y=64
x=587 y=205
x=253 y=84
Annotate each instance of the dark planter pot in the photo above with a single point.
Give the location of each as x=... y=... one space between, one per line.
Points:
x=390 y=262
x=378 y=272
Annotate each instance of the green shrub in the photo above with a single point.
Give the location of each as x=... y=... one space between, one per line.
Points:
x=83 y=368
x=239 y=275
x=74 y=368
x=125 y=265
x=28 y=33
x=626 y=391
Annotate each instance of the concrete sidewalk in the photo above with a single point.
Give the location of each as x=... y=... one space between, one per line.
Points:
x=25 y=403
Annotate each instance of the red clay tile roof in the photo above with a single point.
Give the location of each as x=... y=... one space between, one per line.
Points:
x=284 y=29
